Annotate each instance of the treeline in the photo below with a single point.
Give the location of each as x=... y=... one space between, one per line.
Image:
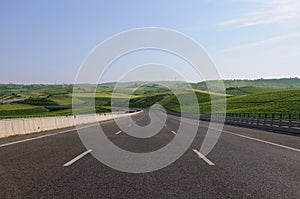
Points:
x=39 y=102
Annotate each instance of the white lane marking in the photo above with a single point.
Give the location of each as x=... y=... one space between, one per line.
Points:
x=263 y=141
x=43 y=136
x=250 y=138
x=201 y=156
x=173 y=132
x=77 y=158
x=117 y=133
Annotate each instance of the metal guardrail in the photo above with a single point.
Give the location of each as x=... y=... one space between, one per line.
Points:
x=278 y=125
x=271 y=115
x=266 y=122
x=290 y=126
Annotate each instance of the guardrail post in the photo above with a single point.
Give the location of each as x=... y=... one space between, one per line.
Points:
x=258 y=118
x=265 y=119
x=272 y=122
x=290 y=120
x=280 y=121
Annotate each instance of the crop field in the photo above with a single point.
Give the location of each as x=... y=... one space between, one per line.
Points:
x=238 y=91
x=52 y=100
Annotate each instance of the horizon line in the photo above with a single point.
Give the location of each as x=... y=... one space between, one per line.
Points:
x=111 y=82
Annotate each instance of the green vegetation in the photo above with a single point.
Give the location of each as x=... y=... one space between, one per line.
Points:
x=269 y=102
x=278 y=84
x=39 y=101
x=10 y=110
x=246 y=97
x=236 y=91
x=277 y=101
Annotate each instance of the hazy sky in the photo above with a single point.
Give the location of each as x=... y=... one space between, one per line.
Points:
x=46 y=41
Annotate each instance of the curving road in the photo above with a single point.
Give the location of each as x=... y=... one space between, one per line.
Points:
x=245 y=163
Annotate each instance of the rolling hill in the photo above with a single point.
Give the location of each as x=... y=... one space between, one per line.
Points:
x=243 y=96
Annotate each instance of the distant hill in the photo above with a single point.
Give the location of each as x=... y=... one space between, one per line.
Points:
x=135 y=84
x=242 y=86
x=278 y=84
x=243 y=96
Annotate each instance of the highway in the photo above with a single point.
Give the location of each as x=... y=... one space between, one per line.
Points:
x=245 y=163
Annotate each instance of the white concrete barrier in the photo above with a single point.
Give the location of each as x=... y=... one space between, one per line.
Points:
x=21 y=126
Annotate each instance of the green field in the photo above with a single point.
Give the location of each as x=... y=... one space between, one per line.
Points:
x=52 y=100
x=237 y=91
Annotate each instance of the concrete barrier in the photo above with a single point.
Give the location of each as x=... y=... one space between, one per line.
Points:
x=21 y=126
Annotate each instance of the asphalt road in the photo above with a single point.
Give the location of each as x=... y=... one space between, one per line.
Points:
x=245 y=163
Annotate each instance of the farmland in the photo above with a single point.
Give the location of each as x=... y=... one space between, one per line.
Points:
x=53 y=100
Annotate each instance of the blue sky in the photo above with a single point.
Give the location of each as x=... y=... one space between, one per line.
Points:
x=46 y=41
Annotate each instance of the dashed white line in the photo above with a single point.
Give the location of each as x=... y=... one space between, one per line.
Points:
x=201 y=156
x=173 y=132
x=117 y=133
x=77 y=158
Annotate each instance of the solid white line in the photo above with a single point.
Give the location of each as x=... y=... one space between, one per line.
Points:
x=42 y=136
x=201 y=156
x=263 y=141
x=173 y=132
x=77 y=158
x=251 y=138
x=29 y=139
x=117 y=133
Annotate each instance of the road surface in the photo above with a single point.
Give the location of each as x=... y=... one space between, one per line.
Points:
x=245 y=163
